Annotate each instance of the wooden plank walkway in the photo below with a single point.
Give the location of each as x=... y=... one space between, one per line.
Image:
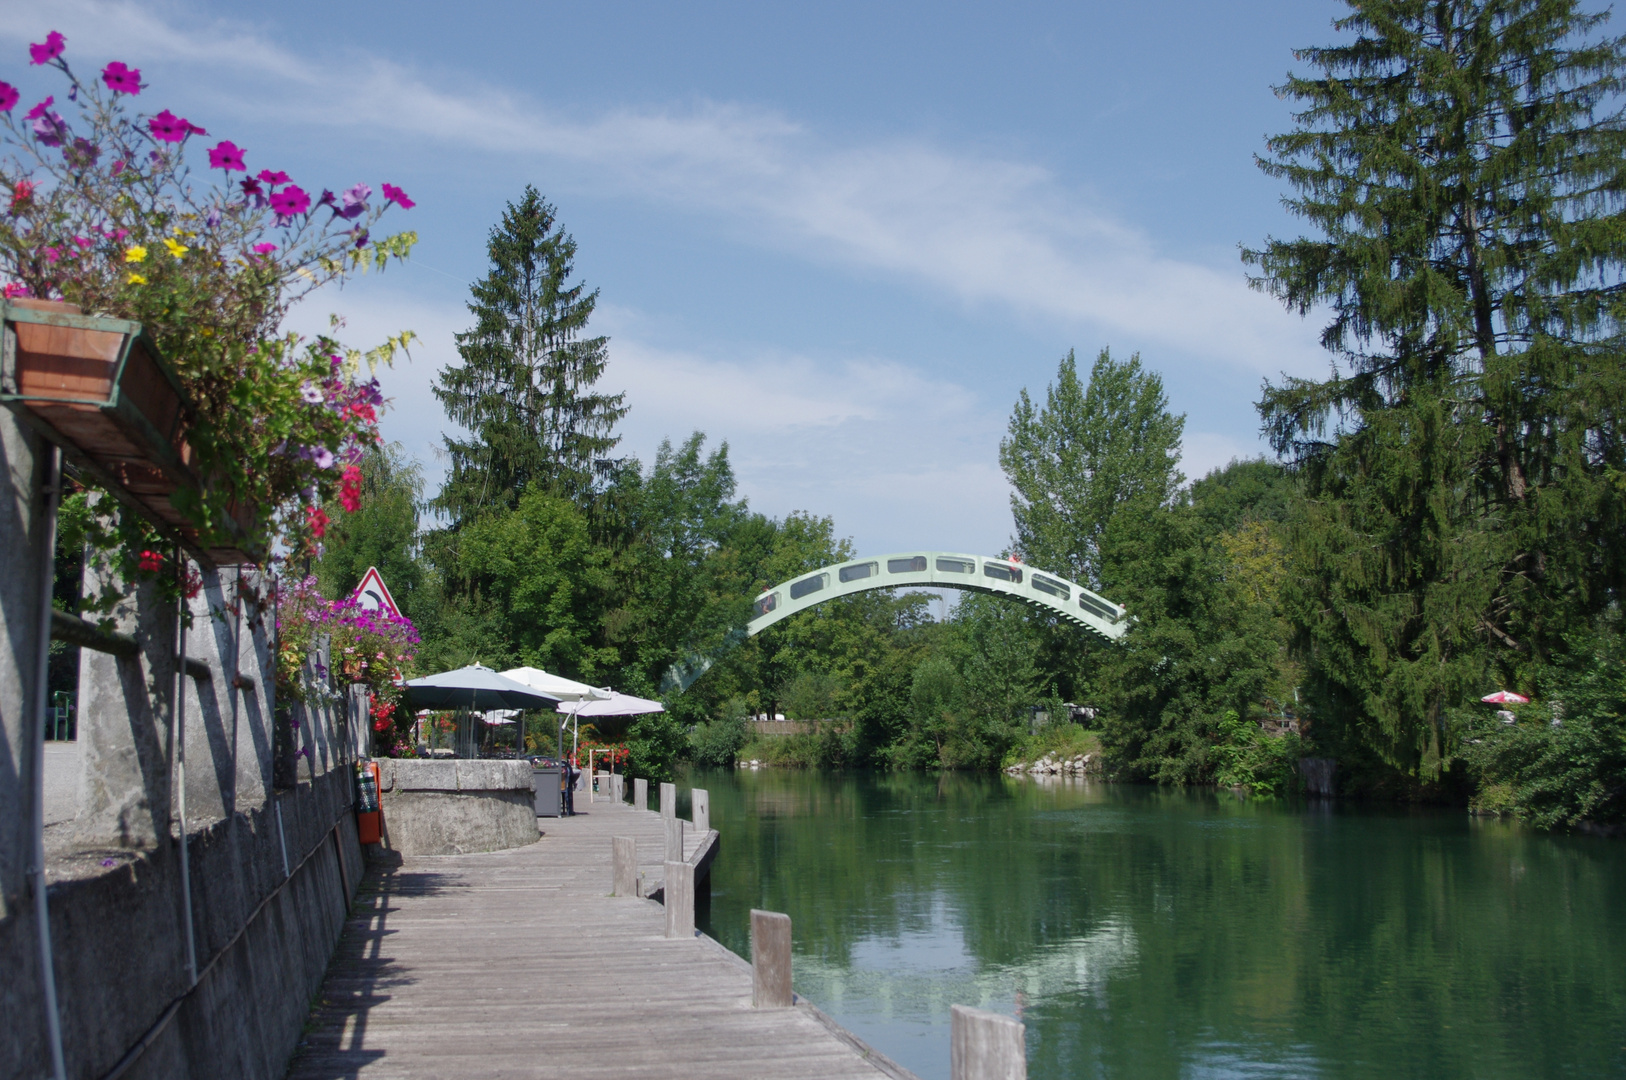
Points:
x=518 y=964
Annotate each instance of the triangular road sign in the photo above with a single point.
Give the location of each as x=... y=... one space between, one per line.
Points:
x=372 y=595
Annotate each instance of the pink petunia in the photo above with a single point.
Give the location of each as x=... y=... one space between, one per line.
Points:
x=8 y=97
x=50 y=50
x=15 y=289
x=167 y=127
x=122 y=79
x=227 y=155
x=264 y=249
x=39 y=110
x=289 y=201
x=397 y=196
x=272 y=178
x=350 y=489
x=84 y=243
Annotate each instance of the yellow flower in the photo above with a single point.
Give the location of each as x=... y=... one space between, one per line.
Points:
x=135 y=254
x=175 y=249
x=135 y=279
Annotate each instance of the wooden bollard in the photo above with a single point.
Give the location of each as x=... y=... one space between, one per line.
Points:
x=674 y=838
x=678 y=896
x=625 y=860
x=668 y=800
x=986 y=1046
x=770 y=960
x=700 y=809
x=640 y=794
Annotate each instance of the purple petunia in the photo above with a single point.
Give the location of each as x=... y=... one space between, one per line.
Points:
x=122 y=79
x=50 y=130
x=323 y=457
x=82 y=154
x=227 y=155
x=39 y=110
x=49 y=50
x=397 y=196
x=290 y=200
x=272 y=178
x=8 y=97
x=355 y=202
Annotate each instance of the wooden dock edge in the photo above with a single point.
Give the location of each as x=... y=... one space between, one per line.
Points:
x=864 y=1049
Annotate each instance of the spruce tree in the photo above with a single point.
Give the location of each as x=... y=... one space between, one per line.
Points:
x=1463 y=163
x=524 y=390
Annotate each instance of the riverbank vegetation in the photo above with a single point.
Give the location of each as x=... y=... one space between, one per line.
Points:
x=1442 y=517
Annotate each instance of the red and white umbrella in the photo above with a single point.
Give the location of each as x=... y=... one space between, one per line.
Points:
x=1505 y=697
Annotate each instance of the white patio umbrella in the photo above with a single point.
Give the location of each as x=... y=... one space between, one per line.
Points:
x=566 y=690
x=614 y=704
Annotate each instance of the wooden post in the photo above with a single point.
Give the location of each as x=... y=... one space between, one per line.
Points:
x=986 y=1046
x=625 y=852
x=640 y=793
x=674 y=838
x=770 y=960
x=668 y=800
x=678 y=897
x=700 y=809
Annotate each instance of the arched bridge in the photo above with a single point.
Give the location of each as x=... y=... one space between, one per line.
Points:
x=918 y=569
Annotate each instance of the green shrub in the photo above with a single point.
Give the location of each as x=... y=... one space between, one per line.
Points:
x=716 y=743
x=1563 y=761
x=1246 y=757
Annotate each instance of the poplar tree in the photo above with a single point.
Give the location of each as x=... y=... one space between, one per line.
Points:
x=1462 y=163
x=1077 y=461
x=524 y=390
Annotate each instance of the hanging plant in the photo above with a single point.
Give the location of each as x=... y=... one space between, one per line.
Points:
x=103 y=211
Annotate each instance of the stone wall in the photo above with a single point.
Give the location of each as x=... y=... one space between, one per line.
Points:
x=273 y=857
x=456 y=807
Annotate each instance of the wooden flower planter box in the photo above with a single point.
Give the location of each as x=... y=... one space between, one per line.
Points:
x=98 y=388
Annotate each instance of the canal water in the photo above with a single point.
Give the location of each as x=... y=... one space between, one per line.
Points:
x=1143 y=933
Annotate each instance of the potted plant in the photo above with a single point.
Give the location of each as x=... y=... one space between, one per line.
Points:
x=144 y=309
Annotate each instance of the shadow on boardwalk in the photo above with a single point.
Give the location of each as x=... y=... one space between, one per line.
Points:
x=519 y=964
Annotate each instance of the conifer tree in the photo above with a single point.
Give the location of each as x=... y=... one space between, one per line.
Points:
x=524 y=390
x=1463 y=162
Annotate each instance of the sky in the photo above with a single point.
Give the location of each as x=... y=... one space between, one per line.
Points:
x=840 y=237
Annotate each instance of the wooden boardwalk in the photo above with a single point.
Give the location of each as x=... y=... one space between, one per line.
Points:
x=518 y=964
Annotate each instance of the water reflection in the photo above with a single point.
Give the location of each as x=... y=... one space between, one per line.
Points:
x=1146 y=933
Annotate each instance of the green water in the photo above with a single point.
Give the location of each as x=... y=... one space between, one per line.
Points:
x=1147 y=934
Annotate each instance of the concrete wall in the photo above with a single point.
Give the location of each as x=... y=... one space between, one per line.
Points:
x=454 y=807
x=20 y=544
x=271 y=840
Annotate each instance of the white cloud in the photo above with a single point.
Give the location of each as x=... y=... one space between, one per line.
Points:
x=895 y=451
x=981 y=230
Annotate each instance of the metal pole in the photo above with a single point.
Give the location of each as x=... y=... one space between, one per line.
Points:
x=177 y=714
x=42 y=908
